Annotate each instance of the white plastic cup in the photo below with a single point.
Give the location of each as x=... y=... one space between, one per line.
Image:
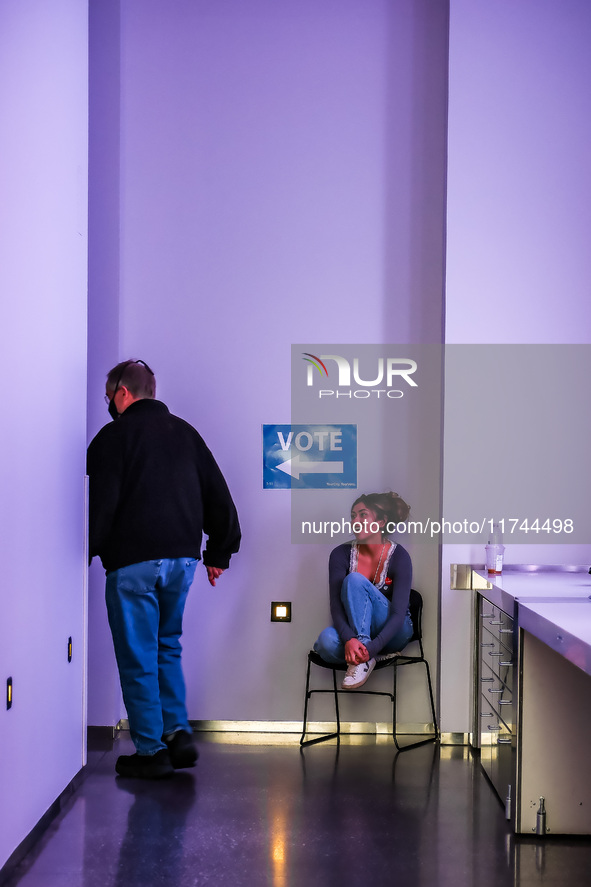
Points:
x=494 y=557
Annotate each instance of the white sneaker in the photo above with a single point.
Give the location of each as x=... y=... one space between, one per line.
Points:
x=357 y=675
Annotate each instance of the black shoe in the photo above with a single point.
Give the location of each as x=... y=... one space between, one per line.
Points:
x=182 y=750
x=156 y=766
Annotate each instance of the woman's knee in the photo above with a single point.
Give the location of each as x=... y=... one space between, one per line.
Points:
x=329 y=644
x=353 y=583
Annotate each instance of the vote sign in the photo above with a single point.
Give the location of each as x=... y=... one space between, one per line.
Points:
x=314 y=457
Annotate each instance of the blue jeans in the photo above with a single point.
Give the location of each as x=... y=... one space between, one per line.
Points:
x=367 y=612
x=145 y=605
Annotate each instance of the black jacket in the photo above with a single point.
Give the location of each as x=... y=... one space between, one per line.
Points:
x=154 y=489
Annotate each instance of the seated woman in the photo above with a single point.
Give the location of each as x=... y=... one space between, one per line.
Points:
x=369 y=582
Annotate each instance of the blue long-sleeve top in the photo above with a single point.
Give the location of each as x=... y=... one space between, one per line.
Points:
x=394 y=582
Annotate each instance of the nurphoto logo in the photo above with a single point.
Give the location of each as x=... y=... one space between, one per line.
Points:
x=388 y=371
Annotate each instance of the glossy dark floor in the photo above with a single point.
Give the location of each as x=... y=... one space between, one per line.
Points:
x=266 y=814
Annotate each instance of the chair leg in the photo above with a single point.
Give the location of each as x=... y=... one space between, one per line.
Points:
x=394 y=716
x=305 y=724
x=336 y=702
x=433 y=712
x=305 y=742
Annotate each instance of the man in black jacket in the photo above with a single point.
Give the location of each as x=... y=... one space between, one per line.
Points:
x=154 y=489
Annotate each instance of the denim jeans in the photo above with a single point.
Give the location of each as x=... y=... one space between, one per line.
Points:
x=367 y=612
x=145 y=605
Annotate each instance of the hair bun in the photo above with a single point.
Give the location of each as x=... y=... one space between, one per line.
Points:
x=388 y=504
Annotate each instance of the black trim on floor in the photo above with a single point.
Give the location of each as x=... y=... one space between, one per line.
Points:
x=99 y=738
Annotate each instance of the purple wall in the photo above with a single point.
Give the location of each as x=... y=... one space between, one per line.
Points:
x=518 y=211
x=43 y=254
x=281 y=180
x=105 y=706
x=518 y=257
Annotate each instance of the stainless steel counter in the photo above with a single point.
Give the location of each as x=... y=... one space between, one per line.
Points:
x=553 y=603
x=548 y=752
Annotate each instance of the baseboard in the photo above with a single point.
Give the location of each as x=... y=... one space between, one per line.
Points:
x=101 y=733
x=320 y=727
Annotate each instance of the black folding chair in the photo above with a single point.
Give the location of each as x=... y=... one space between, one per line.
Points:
x=396 y=662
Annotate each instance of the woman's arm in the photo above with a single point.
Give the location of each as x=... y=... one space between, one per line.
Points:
x=400 y=572
x=338 y=567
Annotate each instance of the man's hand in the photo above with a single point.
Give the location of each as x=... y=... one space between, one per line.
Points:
x=355 y=652
x=213 y=573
